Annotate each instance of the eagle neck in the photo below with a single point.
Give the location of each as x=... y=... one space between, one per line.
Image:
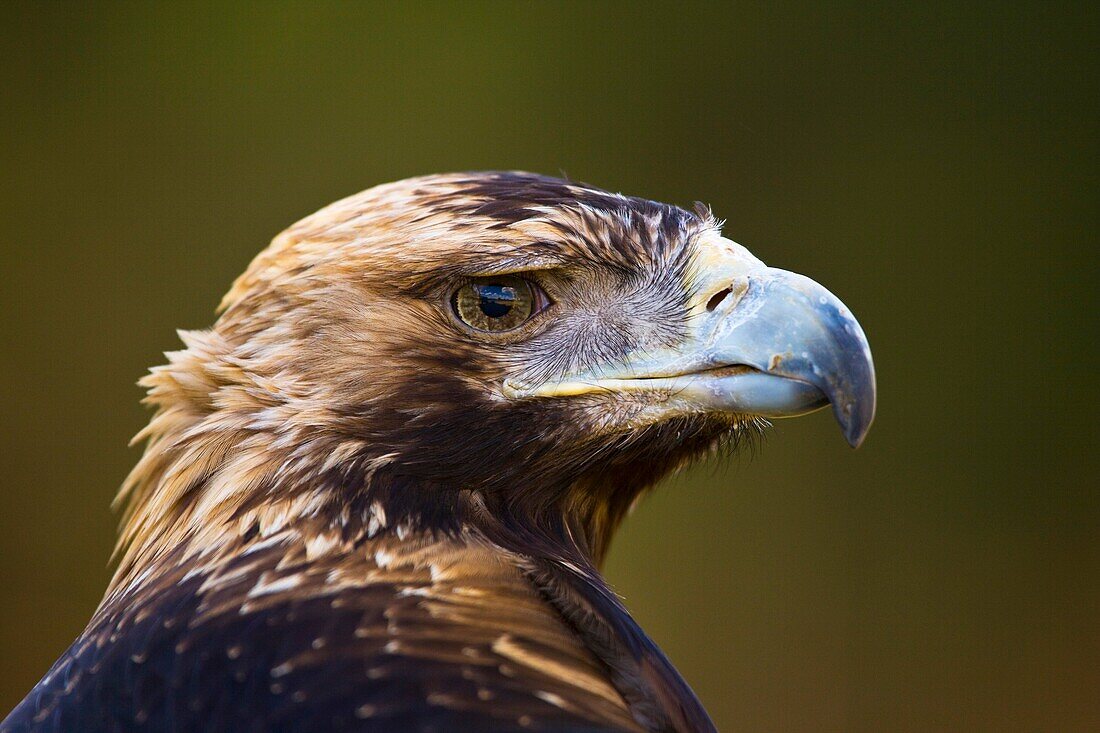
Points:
x=556 y=556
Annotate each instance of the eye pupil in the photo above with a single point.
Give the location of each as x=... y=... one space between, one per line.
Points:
x=495 y=301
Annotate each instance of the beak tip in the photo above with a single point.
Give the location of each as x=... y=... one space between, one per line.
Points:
x=855 y=423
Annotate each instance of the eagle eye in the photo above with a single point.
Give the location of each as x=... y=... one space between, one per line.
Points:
x=498 y=303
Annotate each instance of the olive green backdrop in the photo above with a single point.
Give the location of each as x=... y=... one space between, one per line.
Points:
x=934 y=166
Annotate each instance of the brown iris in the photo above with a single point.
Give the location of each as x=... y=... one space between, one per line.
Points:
x=499 y=303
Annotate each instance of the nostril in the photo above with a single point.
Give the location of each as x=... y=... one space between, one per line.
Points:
x=717 y=298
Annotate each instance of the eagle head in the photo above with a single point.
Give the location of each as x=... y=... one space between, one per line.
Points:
x=501 y=350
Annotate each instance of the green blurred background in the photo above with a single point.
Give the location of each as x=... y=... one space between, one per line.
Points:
x=935 y=166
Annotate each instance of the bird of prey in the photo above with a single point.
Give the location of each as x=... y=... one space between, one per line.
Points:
x=376 y=494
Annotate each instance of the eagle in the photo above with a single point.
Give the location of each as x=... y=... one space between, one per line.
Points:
x=377 y=493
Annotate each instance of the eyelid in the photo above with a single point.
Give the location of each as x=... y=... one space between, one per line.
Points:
x=542 y=299
x=520 y=267
x=527 y=273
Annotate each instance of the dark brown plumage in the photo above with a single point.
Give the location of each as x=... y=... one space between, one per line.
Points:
x=356 y=512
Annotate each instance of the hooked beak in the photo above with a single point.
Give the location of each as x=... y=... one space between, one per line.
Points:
x=762 y=341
